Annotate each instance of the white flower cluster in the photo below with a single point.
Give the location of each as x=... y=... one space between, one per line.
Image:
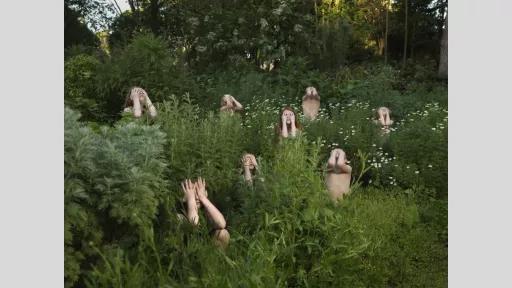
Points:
x=380 y=159
x=392 y=180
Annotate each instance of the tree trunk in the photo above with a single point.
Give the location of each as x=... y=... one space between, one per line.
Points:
x=381 y=43
x=119 y=11
x=154 y=10
x=412 y=45
x=443 y=59
x=405 y=36
x=386 y=35
x=132 y=5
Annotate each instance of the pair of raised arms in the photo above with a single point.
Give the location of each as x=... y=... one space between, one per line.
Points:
x=197 y=196
x=137 y=100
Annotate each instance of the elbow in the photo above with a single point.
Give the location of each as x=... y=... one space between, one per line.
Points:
x=221 y=223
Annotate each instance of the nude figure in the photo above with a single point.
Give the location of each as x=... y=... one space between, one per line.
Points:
x=197 y=197
x=250 y=165
x=228 y=103
x=138 y=101
x=311 y=103
x=338 y=175
x=288 y=125
x=384 y=119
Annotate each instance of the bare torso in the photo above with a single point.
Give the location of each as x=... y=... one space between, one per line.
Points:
x=338 y=184
x=338 y=175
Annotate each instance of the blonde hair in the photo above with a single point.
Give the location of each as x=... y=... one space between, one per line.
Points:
x=221 y=237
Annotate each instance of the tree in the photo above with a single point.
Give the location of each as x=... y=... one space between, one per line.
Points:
x=96 y=13
x=386 y=34
x=405 y=34
x=443 y=59
x=75 y=32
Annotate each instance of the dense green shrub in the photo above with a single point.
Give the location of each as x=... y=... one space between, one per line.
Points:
x=146 y=62
x=113 y=182
x=122 y=184
x=80 y=87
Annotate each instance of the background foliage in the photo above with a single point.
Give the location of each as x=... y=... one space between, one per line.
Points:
x=122 y=174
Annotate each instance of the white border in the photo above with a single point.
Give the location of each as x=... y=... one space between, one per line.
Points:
x=31 y=150
x=480 y=54
x=31 y=157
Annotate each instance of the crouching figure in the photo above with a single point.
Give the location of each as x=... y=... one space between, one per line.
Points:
x=338 y=175
x=250 y=165
x=137 y=102
x=228 y=103
x=289 y=125
x=311 y=103
x=384 y=119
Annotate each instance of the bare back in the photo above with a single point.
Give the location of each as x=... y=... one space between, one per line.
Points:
x=310 y=107
x=311 y=103
x=338 y=184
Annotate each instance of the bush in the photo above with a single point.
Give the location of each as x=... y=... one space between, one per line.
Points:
x=146 y=62
x=113 y=184
x=122 y=187
x=80 y=87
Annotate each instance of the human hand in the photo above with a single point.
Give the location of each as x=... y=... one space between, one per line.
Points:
x=201 y=189
x=284 y=117
x=249 y=160
x=189 y=188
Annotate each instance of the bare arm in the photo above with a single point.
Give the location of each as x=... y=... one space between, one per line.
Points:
x=214 y=214
x=293 y=131
x=344 y=168
x=211 y=211
x=284 y=130
x=151 y=107
x=238 y=106
x=137 y=110
x=247 y=174
x=338 y=167
x=189 y=190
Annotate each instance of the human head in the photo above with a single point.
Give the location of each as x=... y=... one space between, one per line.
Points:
x=198 y=202
x=129 y=98
x=250 y=160
x=288 y=111
x=221 y=237
x=226 y=100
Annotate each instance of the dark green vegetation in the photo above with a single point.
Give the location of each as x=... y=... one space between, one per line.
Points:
x=122 y=175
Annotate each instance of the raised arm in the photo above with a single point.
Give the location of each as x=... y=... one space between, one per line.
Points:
x=293 y=129
x=211 y=211
x=137 y=109
x=344 y=168
x=237 y=104
x=337 y=162
x=284 y=128
x=249 y=163
x=150 y=107
x=190 y=195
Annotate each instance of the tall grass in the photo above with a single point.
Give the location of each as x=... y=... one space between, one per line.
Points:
x=122 y=186
x=122 y=181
